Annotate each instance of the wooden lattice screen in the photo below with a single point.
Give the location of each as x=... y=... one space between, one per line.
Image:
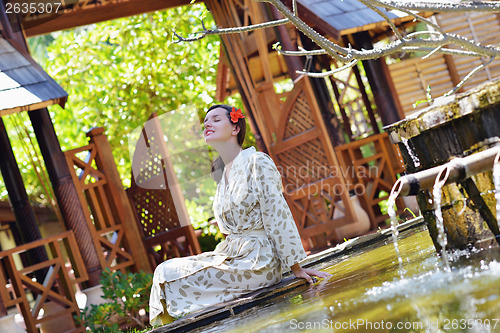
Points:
x=312 y=176
x=153 y=202
x=20 y=288
x=109 y=215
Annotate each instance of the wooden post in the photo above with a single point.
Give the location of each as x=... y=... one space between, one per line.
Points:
x=3 y=309
x=366 y=100
x=294 y=64
x=25 y=216
x=387 y=106
x=65 y=191
x=106 y=163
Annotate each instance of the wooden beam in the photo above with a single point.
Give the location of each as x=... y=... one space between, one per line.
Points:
x=250 y=43
x=384 y=93
x=295 y=140
x=97 y=14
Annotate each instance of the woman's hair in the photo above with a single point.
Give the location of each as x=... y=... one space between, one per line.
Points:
x=218 y=164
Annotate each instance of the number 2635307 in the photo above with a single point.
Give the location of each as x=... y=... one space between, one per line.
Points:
x=32 y=7
x=470 y=323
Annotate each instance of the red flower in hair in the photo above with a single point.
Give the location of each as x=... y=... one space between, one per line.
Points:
x=235 y=115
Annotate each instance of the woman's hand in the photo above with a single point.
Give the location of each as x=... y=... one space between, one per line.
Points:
x=308 y=273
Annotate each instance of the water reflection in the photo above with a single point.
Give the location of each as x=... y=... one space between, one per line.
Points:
x=366 y=294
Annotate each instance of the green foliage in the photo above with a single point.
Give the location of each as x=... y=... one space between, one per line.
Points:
x=116 y=74
x=125 y=294
x=384 y=206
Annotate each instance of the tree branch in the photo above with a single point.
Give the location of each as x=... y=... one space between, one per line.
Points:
x=329 y=73
x=437 y=6
x=413 y=42
x=206 y=32
x=417 y=17
x=468 y=76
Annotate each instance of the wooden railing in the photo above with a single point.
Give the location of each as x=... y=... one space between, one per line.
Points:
x=109 y=217
x=370 y=166
x=57 y=288
x=107 y=232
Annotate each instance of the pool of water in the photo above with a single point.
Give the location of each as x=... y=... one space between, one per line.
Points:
x=367 y=294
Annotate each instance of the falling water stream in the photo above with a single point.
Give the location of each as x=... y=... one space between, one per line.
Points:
x=436 y=193
x=414 y=158
x=496 y=181
x=394 y=230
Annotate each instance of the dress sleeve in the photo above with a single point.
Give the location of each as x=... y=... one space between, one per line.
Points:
x=276 y=215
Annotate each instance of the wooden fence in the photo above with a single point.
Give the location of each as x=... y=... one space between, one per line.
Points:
x=56 y=289
x=370 y=166
x=110 y=218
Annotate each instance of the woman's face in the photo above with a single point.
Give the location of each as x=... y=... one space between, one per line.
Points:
x=218 y=128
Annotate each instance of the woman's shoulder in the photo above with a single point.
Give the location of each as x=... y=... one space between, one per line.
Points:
x=260 y=161
x=260 y=157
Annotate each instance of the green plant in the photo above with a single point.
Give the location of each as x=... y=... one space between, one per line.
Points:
x=125 y=295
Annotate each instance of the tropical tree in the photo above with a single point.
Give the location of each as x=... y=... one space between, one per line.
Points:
x=116 y=74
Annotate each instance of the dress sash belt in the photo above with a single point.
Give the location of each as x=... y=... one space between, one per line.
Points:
x=249 y=233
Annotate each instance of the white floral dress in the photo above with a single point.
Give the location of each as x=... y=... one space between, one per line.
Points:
x=262 y=238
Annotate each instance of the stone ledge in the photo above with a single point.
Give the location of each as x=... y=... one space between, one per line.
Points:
x=445 y=109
